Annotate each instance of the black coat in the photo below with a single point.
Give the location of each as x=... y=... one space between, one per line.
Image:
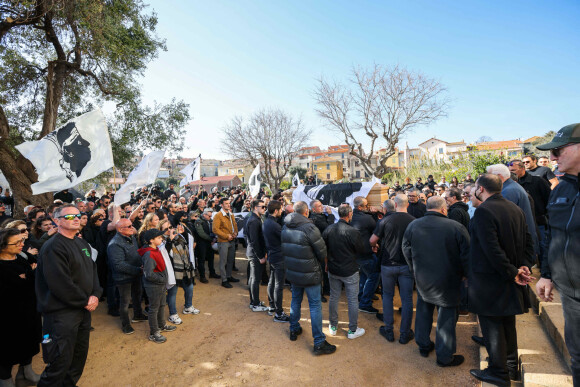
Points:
x=365 y=224
x=343 y=243
x=20 y=320
x=539 y=189
x=303 y=249
x=273 y=238
x=436 y=249
x=458 y=212
x=321 y=221
x=417 y=210
x=254 y=237
x=500 y=244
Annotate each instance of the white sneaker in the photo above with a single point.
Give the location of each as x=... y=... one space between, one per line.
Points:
x=358 y=333
x=190 y=310
x=174 y=319
x=332 y=330
x=259 y=308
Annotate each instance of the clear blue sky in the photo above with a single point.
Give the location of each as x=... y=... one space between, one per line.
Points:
x=511 y=67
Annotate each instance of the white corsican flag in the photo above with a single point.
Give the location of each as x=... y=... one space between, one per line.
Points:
x=255 y=181
x=192 y=172
x=296 y=180
x=71 y=154
x=145 y=173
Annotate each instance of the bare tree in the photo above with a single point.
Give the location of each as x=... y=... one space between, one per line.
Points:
x=483 y=139
x=379 y=104
x=270 y=137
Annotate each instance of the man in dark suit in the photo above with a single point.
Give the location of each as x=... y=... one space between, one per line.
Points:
x=501 y=255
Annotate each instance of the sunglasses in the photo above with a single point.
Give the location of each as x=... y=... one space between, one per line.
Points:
x=20 y=242
x=70 y=217
x=557 y=151
x=24 y=230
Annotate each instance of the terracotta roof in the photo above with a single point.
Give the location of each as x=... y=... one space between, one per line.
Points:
x=457 y=143
x=494 y=145
x=531 y=139
x=325 y=160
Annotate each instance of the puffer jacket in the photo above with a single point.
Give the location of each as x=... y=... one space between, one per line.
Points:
x=124 y=259
x=303 y=249
x=563 y=264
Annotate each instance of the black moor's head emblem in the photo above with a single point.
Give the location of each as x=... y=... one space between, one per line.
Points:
x=74 y=150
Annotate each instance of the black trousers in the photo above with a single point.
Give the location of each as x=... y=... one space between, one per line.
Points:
x=6 y=369
x=133 y=291
x=205 y=254
x=571 y=308
x=66 y=355
x=501 y=342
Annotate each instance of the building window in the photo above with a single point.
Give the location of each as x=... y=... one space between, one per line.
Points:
x=357 y=174
x=342 y=155
x=440 y=151
x=307 y=165
x=356 y=163
x=327 y=166
x=366 y=174
x=328 y=176
x=315 y=167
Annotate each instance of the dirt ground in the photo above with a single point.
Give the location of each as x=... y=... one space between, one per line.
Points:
x=229 y=345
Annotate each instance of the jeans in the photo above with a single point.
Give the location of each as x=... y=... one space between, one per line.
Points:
x=172 y=295
x=571 y=308
x=445 y=338
x=276 y=286
x=369 y=280
x=351 y=289
x=314 y=303
x=254 y=280
x=111 y=291
x=227 y=252
x=390 y=275
x=131 y=291
x=69 y=330
x=156 y=294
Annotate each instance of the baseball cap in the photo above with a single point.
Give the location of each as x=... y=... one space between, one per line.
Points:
x=151 y=234
x=568 y=134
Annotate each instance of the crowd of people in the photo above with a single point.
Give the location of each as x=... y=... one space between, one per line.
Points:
x=465 y=246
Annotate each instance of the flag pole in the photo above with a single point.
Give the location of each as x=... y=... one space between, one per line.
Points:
x=114 y=180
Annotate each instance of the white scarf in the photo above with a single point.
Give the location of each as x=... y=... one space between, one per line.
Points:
x=170 y=274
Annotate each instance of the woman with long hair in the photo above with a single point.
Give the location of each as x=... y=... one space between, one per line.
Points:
x=150 y=221
x=20 y=319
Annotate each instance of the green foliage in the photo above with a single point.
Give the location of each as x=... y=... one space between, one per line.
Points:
x=103 y=48
x=161 y=184
x=173 y=180
x=301 y=172
x=285 y=184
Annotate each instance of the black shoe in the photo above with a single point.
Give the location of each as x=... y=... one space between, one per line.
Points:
x=232 y=279
x=380 y=316
x=514 y=375
x=113 y=312
x=387 y=334
x=294 y=334
x=323 y=299
x=215 y=276
x=203 y=280
x=168 y=328
x=128 y=330
x=92 y=329
x=227 y=285
x=426 y=352
x=369 y=309
x=405 y=338
x=324 y=349
x=139 y=318
x=457 y=360
x=235 y=269
x=375 y=297
x=484 y=376
x=478 y=340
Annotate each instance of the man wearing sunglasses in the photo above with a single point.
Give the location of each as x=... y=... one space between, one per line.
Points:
x=68 y=291
x=256 y=253
x=562 y=268
x=531 y=163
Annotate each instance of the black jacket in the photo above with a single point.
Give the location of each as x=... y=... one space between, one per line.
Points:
x=437 y=251
x=303 y=249
x=563 y=263
x=500 y=244
x=365 y=224
x=343 y=243
x=273 y=238
x=254 y=237
x=66 y=197
x=390 y=231
x=124 y=259
x=458 y=212
x=66 y=275
x=321 y=221
x=203 y=231
x=417 y=210
x=539 y=189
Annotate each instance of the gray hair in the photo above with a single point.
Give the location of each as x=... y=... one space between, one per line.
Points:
x=344 y=210
x=499 y=169
x=358 y=201
x=436 y=203
x=58 y=210
x=389 y=205
x=312 y=203
x=301 y=208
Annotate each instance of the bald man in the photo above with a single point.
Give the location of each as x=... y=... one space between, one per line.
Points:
x=127 y=270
